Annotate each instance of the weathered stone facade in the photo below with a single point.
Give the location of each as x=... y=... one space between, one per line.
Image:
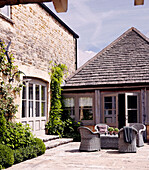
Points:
x=36 y=39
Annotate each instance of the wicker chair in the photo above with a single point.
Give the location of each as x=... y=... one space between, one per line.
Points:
x=90 y=141
x=141 y=129
x=127 y=147
x=101 y=128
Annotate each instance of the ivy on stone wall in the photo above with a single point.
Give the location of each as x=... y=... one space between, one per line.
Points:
x=60 y=123
x=55 y=124
x=8 y=88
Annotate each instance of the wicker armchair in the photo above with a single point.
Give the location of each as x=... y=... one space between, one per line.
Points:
x=127 y=147
x=101 y=128
x=141 y=129
x=90 y=141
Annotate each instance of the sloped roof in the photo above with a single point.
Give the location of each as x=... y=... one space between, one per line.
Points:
x=59 y=20
x=124 y=61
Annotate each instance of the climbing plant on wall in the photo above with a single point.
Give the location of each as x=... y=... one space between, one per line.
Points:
x=60 y=123
x=55 y=124
x=8 y=87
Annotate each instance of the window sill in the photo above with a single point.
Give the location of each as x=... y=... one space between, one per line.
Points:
x=6 y=18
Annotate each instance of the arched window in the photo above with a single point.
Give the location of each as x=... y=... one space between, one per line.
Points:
x=34 y=104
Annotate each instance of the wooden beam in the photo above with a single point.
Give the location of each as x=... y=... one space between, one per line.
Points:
x=60 y=5
x=139 y=2
x=16 y=2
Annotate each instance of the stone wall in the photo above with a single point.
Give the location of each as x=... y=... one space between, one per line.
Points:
x=37 y=38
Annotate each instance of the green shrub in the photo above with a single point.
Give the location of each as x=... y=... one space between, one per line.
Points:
x=71 y=129
x=17 y=135
x=6 y=156
x=40 y=144
x=2 y=127
x=18 y=155
x=33 y=150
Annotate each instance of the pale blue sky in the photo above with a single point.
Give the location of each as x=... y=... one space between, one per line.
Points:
x=99 y=22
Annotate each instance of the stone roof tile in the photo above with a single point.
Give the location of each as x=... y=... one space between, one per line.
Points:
x=126 y=60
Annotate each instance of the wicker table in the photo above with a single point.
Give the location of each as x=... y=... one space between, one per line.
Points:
x=109 y=141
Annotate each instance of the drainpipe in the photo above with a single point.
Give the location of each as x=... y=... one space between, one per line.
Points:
x=76 y=57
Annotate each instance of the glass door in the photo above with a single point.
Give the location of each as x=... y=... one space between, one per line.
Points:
x=34 y=104
x=110 y=110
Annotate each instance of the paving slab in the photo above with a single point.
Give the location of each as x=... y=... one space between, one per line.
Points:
x=68 y=157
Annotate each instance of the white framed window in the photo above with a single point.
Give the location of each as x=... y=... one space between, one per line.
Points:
x=34 y=104
x=5 y=11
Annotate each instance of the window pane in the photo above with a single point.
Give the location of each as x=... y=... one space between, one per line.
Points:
x=23 y=108
x=108 y=120
x=86 y=114
x=42 y=92
x=108 y=112
x=132 y=102
x=43 y=109
x=37 y=92
x=30 y=91
x=85 y=108
x=30 y=109
x=69 y=102
x=132 y=116
x=70 y=112
x=108 y=99
x=69 y=107
x=37 y=109
x=108 y=105
x=24 y=92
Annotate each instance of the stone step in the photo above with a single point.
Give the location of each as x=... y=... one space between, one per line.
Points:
x=46 y=138
x=57 y=142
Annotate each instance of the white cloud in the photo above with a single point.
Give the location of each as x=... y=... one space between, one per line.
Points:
x=84 y=56
x=98 y=23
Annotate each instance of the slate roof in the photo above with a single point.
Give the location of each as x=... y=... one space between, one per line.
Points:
x=124 y=61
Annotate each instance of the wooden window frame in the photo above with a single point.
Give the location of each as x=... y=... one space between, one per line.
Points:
x=76 y=102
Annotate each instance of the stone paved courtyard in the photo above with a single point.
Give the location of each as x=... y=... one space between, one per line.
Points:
x=68 y=157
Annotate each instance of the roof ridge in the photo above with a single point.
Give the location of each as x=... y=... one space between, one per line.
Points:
x=108 y=47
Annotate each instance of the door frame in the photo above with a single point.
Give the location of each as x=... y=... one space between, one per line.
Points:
x=103 y=116
x=126 y=107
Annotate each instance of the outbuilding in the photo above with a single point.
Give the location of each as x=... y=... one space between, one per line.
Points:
x=112 y=87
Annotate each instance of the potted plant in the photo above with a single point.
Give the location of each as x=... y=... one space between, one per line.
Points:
x=110 y=130
x=116 y=131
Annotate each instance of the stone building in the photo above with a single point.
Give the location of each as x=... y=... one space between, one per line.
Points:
x=113 y=87
x=37 y=37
